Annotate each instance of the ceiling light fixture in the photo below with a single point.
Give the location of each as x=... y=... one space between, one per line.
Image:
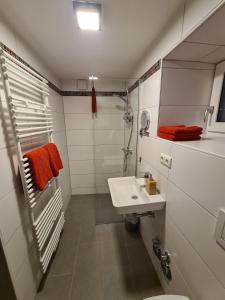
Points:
x=87 y=15
x=93 y=78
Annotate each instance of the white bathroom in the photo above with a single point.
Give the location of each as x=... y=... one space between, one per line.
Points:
x=112 y=150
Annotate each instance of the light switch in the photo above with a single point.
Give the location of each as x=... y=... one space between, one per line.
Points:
x=220 y=229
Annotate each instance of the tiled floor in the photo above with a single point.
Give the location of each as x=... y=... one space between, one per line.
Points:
x=101 y=262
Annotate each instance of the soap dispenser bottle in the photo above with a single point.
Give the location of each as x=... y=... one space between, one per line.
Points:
x=151 y=186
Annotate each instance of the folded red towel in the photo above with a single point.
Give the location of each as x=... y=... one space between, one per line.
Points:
x=180 y=130
x=40 y=166
x=172 y=137
x=54 y=158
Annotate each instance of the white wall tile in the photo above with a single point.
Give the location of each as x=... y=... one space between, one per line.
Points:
x=78 y=121
x=102 y=190
x=108 y=152
x=6 y=134
x=82 y=167
x=25 y=284
x=102 y=179
x=7 y=178
x=150 y=91
x=83 y=181
x=55 y=101
x=108 y=165
x=16 y=248
x=109 y=121
x=150 y=228
x=109 y=105
x=186 y=86
x=202 y=282
x=79 y=137
x=83 y=190
x=134 y=99
x=186 y=115
x=80 y=152
x=109 y=137
x=199 y=231
x=200 y=175
x=76 y=105
x=58 y=121
x=150 y=150
x=10 y=206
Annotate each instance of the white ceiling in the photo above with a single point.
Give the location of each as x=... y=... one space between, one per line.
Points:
x=128 y=29
x=206 y=43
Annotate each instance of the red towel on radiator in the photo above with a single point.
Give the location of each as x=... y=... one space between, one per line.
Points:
x=54 y=158
x=172 y=137
x=40 y=166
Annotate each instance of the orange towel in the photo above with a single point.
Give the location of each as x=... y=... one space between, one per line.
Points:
x=40 y=166
x=54 y=158
x=181 y=130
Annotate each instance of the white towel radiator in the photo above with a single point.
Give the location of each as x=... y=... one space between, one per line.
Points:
x=30 y=114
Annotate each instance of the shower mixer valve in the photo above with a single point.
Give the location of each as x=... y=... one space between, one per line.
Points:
x=128 y=118
x=127 y=151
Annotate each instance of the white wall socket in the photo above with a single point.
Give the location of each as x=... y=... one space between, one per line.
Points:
x=166 y=160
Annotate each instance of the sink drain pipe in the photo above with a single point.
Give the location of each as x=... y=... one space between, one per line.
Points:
x=132 y=220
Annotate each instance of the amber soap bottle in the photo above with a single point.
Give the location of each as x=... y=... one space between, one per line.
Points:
x=151 y=185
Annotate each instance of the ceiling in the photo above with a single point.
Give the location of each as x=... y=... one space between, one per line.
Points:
x=206 y=43
x=128 y=29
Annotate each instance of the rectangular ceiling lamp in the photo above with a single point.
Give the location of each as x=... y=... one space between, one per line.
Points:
x=88 y=15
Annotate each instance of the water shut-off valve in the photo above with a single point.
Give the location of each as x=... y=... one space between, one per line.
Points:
x=163 y=257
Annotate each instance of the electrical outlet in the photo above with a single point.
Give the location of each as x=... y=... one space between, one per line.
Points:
x=166 y=160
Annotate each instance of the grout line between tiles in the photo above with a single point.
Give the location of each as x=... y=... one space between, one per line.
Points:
x=74 y=264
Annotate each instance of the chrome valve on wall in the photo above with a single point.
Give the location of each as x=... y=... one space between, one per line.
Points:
x=163 y=257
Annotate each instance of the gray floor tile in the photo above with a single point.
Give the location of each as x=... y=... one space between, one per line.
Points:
x=63 y=261
x=118 y=283
x=55 y=288
x=87 y=282
x=103 y=262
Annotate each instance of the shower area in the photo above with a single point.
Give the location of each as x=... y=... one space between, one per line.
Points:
x=101 y=145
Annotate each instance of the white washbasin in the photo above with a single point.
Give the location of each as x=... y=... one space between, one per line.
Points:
x=128 y=197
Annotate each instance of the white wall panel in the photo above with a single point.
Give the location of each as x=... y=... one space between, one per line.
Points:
x=201 y=176
x=195 y=272
x=199 y=231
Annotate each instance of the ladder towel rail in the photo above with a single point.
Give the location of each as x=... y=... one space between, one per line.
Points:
x=30 y=114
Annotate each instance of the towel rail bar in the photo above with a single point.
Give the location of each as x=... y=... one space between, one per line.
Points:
x=33 y=90
x=31 y=102
x=33 y=123
x=18 y=92
x=33 y=128
x=28 y=106
x=21 y=136
x=26 y=112
x=30 y=115
x=20 y=65
x=24 y=118
x=26 y=78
